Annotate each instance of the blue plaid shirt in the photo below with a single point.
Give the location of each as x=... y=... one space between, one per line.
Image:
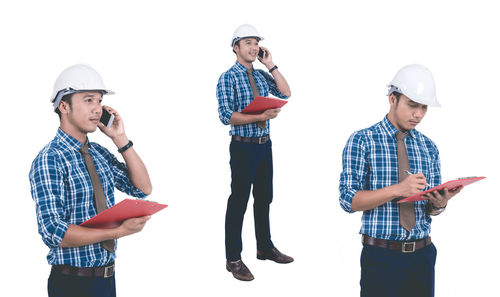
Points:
x=63 y=194
x=234 y=93
x=369 y=162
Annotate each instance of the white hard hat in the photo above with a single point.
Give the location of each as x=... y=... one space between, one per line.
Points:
x=245 y=31
x=77 y=78
x=415 y=82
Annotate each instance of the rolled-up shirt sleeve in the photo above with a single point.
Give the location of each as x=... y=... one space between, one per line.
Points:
x=354 y=170
x=225 y=97
x=47 y=190
x=273 y=88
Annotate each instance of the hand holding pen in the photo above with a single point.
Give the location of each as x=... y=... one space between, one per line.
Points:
x=409 y=173
x=412 y=185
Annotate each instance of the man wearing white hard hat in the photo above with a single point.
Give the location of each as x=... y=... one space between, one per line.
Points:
x=383 y=164
x=73 y=179
x=250 y=148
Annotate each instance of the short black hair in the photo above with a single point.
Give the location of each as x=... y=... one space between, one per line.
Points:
x=65 y=98
x=397 y=95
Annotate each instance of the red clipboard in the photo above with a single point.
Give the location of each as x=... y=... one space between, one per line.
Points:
x=452 y=184
x=126 y=209
x=260 y=104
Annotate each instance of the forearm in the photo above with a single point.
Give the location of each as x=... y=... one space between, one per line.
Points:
x=136 y=168
x=280 y=80
x=80 y=236
x=366 y=200
x=238 y=118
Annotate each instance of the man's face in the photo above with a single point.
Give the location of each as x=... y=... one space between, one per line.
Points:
x=406 y=114
x=85 y=111
x=247 y=49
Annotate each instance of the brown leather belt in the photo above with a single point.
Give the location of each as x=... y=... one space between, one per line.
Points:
x=259 y=140
x=103 y=271
x=402 y=246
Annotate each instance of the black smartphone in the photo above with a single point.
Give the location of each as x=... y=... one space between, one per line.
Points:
x=262 y=53
x=107 y=118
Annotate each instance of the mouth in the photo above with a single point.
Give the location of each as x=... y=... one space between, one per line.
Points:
x=414 y=122
x=94 y=120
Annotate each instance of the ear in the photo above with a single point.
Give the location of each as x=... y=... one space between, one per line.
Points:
x=392 y=100
x=63 y=107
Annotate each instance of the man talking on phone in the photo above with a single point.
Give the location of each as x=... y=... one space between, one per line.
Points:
x=73 y=179
x=250 y=148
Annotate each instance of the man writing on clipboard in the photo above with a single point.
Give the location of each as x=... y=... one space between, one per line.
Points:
x=73 y=179
x=382 y=164
x=250 y=149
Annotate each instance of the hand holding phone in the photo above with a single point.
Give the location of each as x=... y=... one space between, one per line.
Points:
x=107 y=118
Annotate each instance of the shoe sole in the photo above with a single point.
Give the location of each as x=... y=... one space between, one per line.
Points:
x=262 y=258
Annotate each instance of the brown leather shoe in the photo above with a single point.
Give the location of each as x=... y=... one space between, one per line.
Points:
x=274 y=255
x=239 y=270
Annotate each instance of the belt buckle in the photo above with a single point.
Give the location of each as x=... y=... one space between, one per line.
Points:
x=262 y=139
x=109 y=270
x=404 y=250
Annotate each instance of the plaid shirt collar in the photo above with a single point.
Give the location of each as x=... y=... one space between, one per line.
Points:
x=240 y=68
x=69 y=142
x=391 y=130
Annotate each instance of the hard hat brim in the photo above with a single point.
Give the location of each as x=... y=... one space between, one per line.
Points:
x=55 y=100
x=259 y=38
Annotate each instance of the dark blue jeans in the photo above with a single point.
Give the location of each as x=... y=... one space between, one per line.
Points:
x=60 y=285
x=389 y=273
x=251 y=164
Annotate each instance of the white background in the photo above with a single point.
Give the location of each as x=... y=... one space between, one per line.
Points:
x=163 y=60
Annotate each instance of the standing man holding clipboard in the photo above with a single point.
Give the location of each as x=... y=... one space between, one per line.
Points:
x=383 y=164
x=73 y=179
x=250 y=149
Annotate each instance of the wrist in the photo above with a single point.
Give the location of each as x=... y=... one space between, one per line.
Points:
x=119 y=232
x=438 y=208
x=120 y=141
x=395 y=191
x=269 y=65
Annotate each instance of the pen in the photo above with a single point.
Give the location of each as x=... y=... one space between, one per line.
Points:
x=409 y=173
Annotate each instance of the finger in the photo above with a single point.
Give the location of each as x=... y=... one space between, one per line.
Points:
x=144 y=219
x=420 y=178
x=101 y=126
x=457 y=190
x=446 y=192
x=111 y=111
x=433 y=200
x=435 y=194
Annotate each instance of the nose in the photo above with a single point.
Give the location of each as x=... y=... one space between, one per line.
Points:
x=97 y=108
x=419 y=113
